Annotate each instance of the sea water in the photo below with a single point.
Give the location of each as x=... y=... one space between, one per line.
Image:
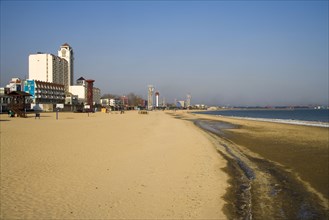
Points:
x=311 y=117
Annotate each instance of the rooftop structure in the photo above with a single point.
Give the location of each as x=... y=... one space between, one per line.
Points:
x=66 y=52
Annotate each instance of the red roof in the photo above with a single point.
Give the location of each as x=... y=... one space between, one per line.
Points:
x=66 y=45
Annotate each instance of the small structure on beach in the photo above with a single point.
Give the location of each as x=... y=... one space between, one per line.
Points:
x=17 y=103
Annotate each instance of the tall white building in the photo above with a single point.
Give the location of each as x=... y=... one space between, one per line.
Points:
x=48 y=68
x=54 y=69
x=66 y=52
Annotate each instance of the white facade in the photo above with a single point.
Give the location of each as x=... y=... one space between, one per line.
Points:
x=15 y=85
x=114 y=102
x=80 y=91
x=105 y=102
x=48 y=68
x=66 y=52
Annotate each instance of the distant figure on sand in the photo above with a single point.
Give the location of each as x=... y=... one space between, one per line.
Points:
x=37 y=115
x=11 y=114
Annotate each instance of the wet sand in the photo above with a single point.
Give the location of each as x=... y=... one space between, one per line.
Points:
x=278 y=170
x=109 y=166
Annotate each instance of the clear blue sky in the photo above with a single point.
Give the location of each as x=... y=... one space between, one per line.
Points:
x=222 y=52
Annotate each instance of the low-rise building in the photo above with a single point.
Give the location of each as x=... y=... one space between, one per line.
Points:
x=106 y=102
x=80 y=90
x=71 y=99
x=45 y=92
x=15 y=85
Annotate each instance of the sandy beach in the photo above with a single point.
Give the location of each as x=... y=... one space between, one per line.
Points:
x=164 y=165
x=109 y=166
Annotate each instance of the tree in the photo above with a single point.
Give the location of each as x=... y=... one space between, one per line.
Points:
x=110 y=96
x=134 y=100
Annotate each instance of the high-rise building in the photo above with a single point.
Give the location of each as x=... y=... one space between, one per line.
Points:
x=51 y=68
x=66 y=52
x=48 y=68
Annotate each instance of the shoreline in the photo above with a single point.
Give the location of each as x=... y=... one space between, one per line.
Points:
x=281 y=155
x=274 y=120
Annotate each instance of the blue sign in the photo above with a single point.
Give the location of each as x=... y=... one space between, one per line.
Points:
x=29 y=87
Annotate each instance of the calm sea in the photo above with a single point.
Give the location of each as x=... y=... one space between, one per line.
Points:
x=288 y=116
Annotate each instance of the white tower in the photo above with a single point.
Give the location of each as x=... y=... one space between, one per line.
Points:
x=66 y=52
x=157 y=98
x=150 y=97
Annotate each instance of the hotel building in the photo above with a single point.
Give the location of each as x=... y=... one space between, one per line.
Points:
x=54 y=69
x=45 y=92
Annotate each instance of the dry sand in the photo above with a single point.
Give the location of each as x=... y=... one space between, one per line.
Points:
x=109 y=166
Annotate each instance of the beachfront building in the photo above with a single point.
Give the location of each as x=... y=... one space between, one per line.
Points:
x=4 y=99
x=80 y=90
x=45 y=92
x=48 y=68
x=110 y=102
x=71 y=99
x=105 y=102
x=115 y=102
x=51 y=68
x=66 y=52
x=15 y=84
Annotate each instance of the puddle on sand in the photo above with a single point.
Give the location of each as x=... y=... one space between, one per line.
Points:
x=216 y=127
